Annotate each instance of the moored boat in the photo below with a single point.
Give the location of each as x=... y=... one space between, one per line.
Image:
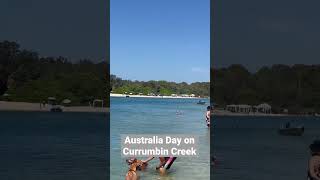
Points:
x=56 y=108
x=201 y=102
x=291 y=131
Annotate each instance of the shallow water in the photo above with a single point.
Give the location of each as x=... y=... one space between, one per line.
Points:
x=53 y=146
x=158 y=116
x=249 y=148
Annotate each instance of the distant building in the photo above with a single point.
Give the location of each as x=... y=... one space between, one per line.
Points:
x=263 y=108
x=286 y=111
x=241 y=108
x=52 y=101
x=244 y=108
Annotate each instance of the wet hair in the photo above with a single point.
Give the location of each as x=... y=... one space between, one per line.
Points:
x=208 y=108
x=131 y=160
x=315 y=146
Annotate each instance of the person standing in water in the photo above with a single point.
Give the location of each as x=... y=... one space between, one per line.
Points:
x=208 y=115
x=314 y=161
x=165 y=163
x=161 y=159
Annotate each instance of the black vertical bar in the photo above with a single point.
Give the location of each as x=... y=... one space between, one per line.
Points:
x=108 y=88
x=211 y=85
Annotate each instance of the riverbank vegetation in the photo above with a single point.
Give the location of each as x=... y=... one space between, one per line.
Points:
x=163 y=88
x=26 y=76
x=294 y=89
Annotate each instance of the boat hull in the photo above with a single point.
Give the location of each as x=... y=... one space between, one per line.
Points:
x=298 y=131
x=201 y=103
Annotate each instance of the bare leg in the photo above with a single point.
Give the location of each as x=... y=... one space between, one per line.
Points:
x=162 y=162
x=162 y=171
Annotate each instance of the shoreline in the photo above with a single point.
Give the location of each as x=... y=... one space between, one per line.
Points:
x=145 y=96
x=35 y=107
x=226 y=113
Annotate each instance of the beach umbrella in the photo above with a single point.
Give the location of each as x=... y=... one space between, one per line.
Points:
x=66 y=101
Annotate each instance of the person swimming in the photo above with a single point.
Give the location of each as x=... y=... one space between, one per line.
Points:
x=141 y=167
x=213 y=161
x=288 y=125
x=208 y=115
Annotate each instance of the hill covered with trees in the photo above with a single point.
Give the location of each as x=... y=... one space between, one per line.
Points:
x=164 y=88
x=28 y=77
x=295 y=88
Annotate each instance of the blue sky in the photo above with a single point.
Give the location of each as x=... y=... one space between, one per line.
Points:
x=262 y=33
x=160 y=40
x=75 y=29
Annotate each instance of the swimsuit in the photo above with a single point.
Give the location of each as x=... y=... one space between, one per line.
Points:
x=169 y=162
x=208 y=121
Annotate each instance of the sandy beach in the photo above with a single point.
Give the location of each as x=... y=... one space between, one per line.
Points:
x=144 y=96
x=228 y=113
x=24 y=106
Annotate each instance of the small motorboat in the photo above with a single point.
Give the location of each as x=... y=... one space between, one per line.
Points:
x=291 y=131
x=201 y=102
x=56 y=109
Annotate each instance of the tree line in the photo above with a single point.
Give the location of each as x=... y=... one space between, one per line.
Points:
x=294 y=88
x=27 y=77
x=163 y=88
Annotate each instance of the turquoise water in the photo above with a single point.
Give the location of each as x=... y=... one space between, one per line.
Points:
x=158 y=116
x=53 y=146
x=249 y=148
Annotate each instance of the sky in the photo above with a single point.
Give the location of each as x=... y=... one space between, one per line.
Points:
x=160 y=40
x=258 y=33
x=69 y=28
x=167 y=39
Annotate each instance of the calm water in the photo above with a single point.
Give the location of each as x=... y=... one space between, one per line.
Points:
x=53 y=146
x=158 y=116
x=249 y=148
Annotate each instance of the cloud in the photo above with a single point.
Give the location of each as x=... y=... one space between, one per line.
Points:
x=199 y=70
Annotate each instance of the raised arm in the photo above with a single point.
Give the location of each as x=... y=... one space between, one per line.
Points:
x=147 y=160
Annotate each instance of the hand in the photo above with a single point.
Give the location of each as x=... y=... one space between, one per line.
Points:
x=144 y=162
x=147 y=160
